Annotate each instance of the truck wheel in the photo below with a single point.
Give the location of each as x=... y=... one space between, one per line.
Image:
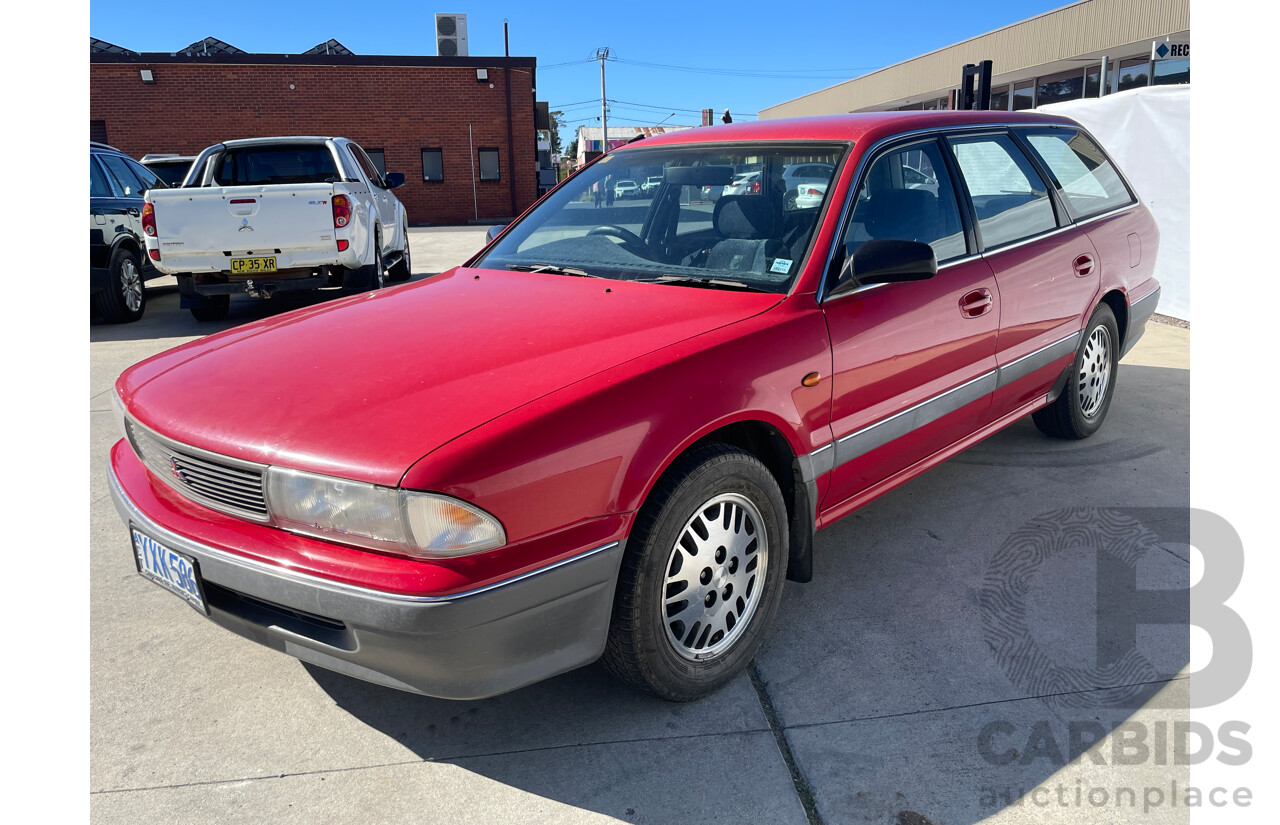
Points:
x=401 y=270
x=124 y=299
x=215 y=310
x=366 y=278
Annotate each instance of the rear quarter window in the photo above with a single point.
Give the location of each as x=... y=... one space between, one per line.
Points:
x=1089 y=181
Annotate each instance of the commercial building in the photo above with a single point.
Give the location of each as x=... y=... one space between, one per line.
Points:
x=590 y=141
x=461 y=129
x=1086 y=49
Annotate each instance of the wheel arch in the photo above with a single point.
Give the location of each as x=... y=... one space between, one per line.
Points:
x=1120 y=308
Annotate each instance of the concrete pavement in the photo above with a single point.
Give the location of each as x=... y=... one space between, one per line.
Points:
x=879 y=695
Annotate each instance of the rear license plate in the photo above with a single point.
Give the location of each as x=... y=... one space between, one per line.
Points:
x=252 y=266
x=175 y=572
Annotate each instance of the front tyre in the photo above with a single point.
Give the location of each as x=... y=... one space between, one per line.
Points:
x=1084 y=402
x=702 y=577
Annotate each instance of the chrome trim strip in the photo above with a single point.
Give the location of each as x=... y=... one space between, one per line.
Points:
x=1043 y=357
x=816 y=463
x=132 y=515
x=1109 y=212
x=857 y=444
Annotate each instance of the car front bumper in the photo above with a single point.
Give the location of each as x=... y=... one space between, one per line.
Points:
x=467 y=645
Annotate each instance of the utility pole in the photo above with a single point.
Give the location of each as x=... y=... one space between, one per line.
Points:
x=602 y=55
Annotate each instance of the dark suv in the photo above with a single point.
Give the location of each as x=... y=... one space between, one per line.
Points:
x=118 y=262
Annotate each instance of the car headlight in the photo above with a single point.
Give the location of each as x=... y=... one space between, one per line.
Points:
x=424 y=525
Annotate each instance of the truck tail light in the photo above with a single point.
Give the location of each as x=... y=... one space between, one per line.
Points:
x=149 y=220
x=343 y=244
x=154 y=254
x=341 y=211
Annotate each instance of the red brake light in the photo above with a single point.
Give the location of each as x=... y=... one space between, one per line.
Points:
x=755 y=187
x=154 y=253
x=341 y=211
x=343 y=243
x=149 y=220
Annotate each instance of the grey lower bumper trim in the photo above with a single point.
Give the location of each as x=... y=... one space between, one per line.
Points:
x=462 y=646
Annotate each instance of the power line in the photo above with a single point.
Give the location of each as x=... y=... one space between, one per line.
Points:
x=777 y=74
x=626 y=103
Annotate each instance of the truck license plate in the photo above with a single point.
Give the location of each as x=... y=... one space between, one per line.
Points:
x=252 y=266
x=170 y=569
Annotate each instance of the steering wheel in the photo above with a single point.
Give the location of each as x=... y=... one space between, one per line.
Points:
x=628 y=238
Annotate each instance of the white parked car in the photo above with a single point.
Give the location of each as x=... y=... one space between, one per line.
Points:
x=744 y=183
x=266 y=215
x=651 y=184
x=626 y=189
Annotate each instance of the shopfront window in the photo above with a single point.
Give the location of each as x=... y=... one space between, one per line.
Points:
x=1068 y=85
x=1024 y=96
x=1133 y=74
x=1173 y=71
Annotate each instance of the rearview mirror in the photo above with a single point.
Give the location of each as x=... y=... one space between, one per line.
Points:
x=886 y=262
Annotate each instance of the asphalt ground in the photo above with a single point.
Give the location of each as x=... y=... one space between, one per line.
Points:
x=935 y=671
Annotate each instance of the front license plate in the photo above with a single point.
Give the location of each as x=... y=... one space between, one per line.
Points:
x=170 y=569
x=252 y=266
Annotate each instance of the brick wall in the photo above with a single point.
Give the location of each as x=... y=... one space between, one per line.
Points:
x=399 y=109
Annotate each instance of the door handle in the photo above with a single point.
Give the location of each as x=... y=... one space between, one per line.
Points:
x=133 y=211
x=977 y=303
x=1083 y=265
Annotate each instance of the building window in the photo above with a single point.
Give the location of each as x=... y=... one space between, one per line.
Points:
x=1092 y=81
x=1133 y=74
x=1173 y=71
x=379 y=158
x=1000 y=98
x=433 y=164
x=1068 y=85
x=98 y=131
x=1024 y=95
x=488 y=164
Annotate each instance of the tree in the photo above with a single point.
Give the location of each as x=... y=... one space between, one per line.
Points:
x=557 y=120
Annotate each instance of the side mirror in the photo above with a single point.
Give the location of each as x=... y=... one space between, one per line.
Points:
x=494 y=231
x=886 y=262
x=394 y=179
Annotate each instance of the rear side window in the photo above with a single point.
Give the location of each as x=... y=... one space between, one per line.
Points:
x=1009 y=196
x=266 y=165
x=1088 y=180
x=98 y=186
x=128 y=183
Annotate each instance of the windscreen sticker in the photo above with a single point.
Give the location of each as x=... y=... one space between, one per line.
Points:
x=781 y=265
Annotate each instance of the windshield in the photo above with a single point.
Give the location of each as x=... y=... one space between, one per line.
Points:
x=276 y=163
x=697 y=224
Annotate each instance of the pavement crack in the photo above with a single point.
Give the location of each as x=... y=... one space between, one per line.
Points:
x=803 y=790
x=984 y=704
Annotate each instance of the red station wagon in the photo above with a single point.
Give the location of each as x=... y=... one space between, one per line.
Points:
x=614 y=431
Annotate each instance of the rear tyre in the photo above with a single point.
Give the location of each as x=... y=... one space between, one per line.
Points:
x=366 y=278
x=702 y=577
x=215 y=308
x=124 y=299
x=1084 y=402
x=402 y=269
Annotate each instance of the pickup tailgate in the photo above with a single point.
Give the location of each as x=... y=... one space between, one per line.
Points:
x=203 y=229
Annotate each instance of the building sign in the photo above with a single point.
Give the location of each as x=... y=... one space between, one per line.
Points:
x=1168 y=51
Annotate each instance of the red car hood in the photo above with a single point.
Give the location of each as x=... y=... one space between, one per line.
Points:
x=363 y=387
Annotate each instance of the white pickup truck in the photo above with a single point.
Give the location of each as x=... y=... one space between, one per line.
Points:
x=266 y=215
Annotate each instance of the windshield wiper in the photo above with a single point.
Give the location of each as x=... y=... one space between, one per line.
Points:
x=553 y=269
x=690 y=280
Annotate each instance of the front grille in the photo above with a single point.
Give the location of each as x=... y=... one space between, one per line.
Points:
x=225 y=484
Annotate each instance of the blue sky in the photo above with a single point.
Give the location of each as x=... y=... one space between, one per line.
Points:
x=743 y=56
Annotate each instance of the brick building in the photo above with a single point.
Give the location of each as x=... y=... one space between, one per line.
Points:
x=461 y=129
